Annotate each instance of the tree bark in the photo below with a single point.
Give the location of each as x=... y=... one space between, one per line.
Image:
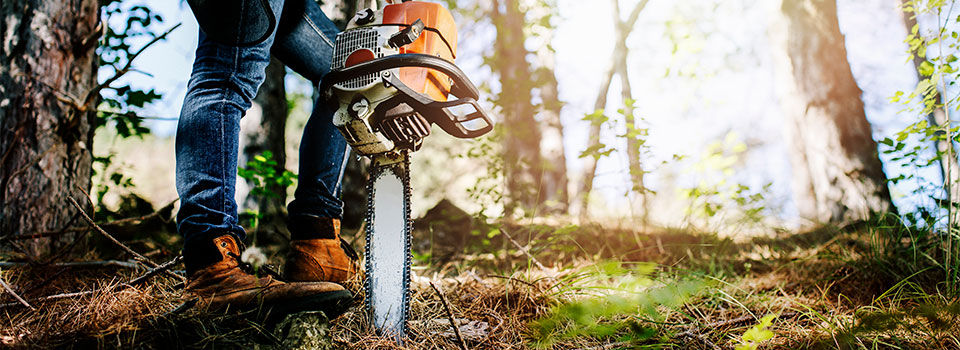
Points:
x=838 y=174
x=263 y=129
x=49 y=67
x=948 y=162
x=523 y=163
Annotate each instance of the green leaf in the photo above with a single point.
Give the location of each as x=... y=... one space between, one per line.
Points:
x=926 y=68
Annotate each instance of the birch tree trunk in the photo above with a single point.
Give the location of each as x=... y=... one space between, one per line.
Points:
x=263 y=129
x=948 y=161
x=838 y=176
x=618 y=66
x=593 y=138
x=49 y=66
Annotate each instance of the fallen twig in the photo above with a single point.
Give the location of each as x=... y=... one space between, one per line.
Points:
x=136 y=255
x=610 y=346
x=15 y=295
x=702 y=339
x=453 y=321
x=522 y=249
x=156 y=270
x=147 y=275
x=508 y=278
x=137 y=220
x=105 y=263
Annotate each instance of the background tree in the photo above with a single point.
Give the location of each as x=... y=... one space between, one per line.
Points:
x=263 y=132
x=837 y=174
x=617 y=67
x=48 y=98
x=523 y=163
x=555 y=180
x=938 y=117
x=532 y=140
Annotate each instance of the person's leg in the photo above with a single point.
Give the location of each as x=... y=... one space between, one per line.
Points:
x=305 y=43
x=224 y=81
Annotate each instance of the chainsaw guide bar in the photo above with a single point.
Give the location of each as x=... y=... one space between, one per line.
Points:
x=387 y=250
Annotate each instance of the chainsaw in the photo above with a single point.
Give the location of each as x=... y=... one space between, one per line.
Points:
x=392 y=78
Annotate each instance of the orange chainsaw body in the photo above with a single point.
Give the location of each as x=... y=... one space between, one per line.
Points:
x=434 y=17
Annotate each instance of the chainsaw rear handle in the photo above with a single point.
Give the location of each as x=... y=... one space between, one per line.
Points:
x=455 y=117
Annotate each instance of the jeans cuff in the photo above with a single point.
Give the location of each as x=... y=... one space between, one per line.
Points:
x=199 y=251
x=313 y=227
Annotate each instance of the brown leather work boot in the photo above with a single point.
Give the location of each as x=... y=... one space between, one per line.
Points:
x=226 y=284
x=318 y=253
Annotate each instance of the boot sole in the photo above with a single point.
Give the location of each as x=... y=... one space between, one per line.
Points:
x=332 y=304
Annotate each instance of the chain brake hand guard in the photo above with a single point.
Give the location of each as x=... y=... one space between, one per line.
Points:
x=443 y=113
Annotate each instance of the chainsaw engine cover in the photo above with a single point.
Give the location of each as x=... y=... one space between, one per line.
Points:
x=369 y=115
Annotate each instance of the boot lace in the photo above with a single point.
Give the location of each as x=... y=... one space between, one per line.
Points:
x=249 y=269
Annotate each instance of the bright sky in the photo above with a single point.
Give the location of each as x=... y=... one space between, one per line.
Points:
x=728 y=83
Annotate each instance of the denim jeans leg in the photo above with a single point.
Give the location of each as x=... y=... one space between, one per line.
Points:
x=224 y=81
x=306 y=46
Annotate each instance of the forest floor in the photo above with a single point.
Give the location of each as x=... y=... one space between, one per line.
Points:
x=541 y=286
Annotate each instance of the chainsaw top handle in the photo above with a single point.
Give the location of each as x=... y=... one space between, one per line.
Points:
x=460 y=117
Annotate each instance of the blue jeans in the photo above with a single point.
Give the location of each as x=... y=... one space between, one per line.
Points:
x=224 y=81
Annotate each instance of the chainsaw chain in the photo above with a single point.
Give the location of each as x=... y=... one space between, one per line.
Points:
x=402 y=171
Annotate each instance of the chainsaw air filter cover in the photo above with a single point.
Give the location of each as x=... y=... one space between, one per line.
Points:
x=392 y=75
x=368 y=38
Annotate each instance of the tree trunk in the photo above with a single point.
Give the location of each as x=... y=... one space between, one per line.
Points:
x=523 y=167
x=634 y=164
x=618 y=66
x=593 y=138
x=262 y=129
x=555 y=180
x=948 y=161
x=49 y=66
x=838 y=174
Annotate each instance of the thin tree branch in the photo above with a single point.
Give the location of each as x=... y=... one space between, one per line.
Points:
x=137 y=116
x=136 y=220
x=55 y=297
x=635 y=14
x=15 y=295
x=453 y=321
x=162 y=268
x=104 y=263
x=136 y=255
x=522 y=249
x=91 y=96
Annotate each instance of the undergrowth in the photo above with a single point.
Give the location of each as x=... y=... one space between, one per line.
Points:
x=871 y=285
